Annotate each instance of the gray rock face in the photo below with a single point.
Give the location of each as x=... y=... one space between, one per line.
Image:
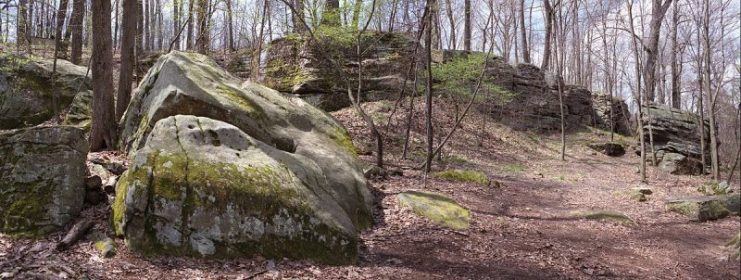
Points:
x=297 y=68
x=676 y=135
x=232 y=170
x=27 y=94
x=536 y=104
x=42 y=178
x=604 y=109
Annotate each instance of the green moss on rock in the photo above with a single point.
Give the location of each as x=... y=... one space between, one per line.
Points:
x=436 y=207
x=466 y=176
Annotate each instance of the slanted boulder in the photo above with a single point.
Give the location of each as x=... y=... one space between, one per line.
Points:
x=27 y=95
x=242 y=171
x=42 y=178
x=615 y=108
x=676 y=137
x=310 y=70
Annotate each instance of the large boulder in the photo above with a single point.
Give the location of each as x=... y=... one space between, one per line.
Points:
x=310 y=70
x=42 y=178
x=706 y=208
x=280 y=175
x=676 y=137
x=616 y=109
x=27 y=95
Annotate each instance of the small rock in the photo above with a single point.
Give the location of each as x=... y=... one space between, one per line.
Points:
x=93 y=182
x=106 y=248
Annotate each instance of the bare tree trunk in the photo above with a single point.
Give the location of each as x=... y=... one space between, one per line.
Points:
x=128 y=43
x=61 y=16
x=449 y=12
x=190 y=43
x=715 y=170
x=230 y=24
x=523 y=33
x=140 y=28
x=676 y=68
x=428 y=92
x=467 y=25
x=700 y=105
x=103 y=128
x=115 y=25
x=204 y=39
x=75 y=23
x=356 y=14
x=176 y=23
x=548 y=30
x=21 y=25
x=298 y=17
x=158 y=14
x=255 y=72
x=658 y=11
x=639 y=120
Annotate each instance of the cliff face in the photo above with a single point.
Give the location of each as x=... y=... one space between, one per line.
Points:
x=310 y=70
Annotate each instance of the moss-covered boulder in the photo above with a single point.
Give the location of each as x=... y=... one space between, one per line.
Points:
x=27 y=95
x=202 y=187
x=303 y=142
x=310 y=69
x=706 y=208
x=436 y=207
x=42 y=178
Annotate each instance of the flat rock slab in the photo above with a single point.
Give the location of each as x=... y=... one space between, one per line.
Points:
x=438 y=208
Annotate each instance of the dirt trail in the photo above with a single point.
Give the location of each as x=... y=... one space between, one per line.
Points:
x=525 y=229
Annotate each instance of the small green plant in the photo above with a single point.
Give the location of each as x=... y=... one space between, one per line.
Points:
x=459 y=76
x=468 y=176
x=514 y=168
x=455 y=159
x=715 y=188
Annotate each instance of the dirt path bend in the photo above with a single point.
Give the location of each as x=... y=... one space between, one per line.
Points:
x=527 y=228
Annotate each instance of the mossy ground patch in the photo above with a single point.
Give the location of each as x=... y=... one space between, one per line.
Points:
x=438 y=208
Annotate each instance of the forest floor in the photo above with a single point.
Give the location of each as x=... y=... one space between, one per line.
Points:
x=523 y=229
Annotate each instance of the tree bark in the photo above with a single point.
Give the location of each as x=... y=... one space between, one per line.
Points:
x=548 y=30
x=715 y=170
x=128 y=43
x=658 y=11
x=203 y=41
x=642 y=137
x=523 y=34
x=140 y=28
x=428 y=92
x=230 y=24
x=103 y=128
x=467 y=25
x=676 y=68
x=449 y=12
x=75 y=23
x=22 y=25
x=356 y=14
x=176 y=23
x=190 y=42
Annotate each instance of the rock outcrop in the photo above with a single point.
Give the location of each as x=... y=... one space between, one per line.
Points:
x=27 y=95
x=676 y=139
x=42 y=178
x=222 y=169
x=604 y=109
x=307 y=70
x=535 y=105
